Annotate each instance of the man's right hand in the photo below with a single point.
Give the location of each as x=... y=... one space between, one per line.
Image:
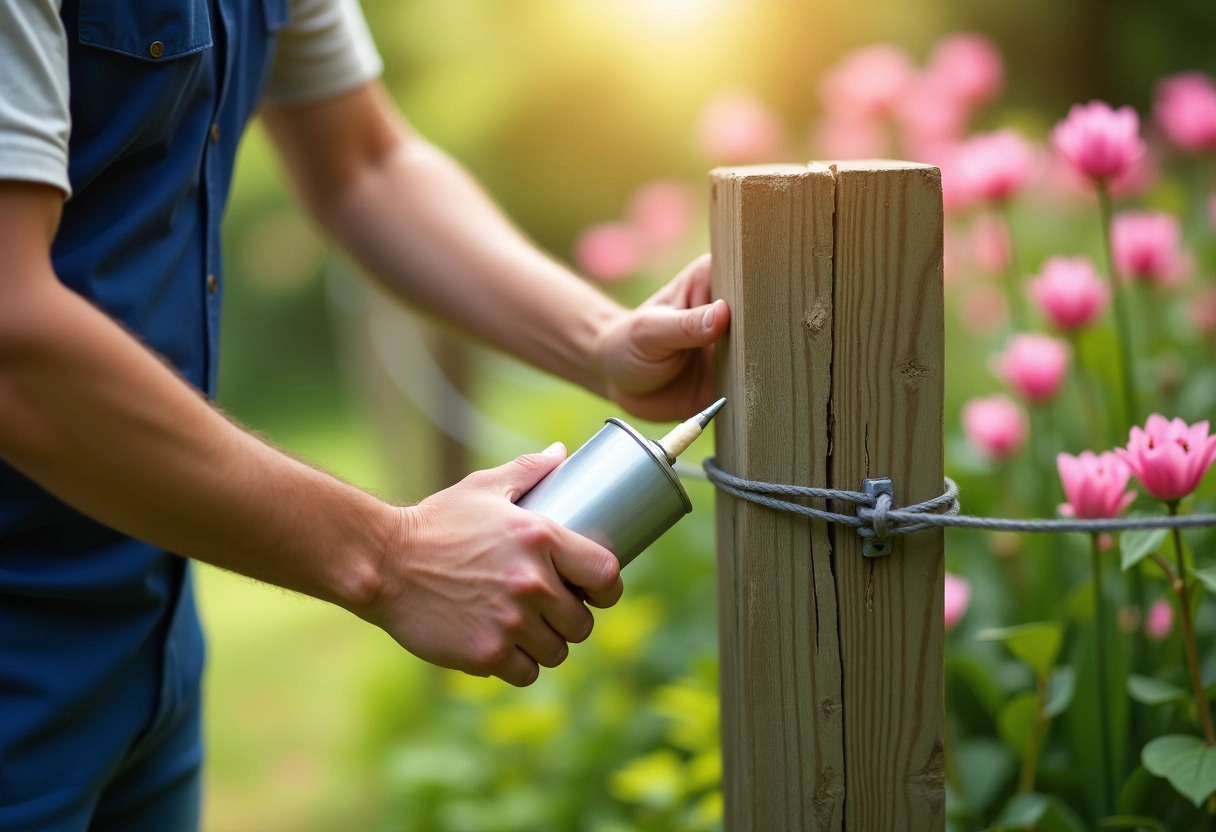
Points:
x=475 y=583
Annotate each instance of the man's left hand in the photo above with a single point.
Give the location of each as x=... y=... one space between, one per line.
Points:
x=658 y=360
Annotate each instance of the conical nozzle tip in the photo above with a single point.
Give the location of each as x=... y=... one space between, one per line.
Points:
x=704 y=417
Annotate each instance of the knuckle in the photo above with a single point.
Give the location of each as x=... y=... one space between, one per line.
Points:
x=492 y=651
x=527 y=583
x=531 y=531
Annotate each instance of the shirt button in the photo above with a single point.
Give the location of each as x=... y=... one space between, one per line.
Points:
x=156 y=49
x=212 y=283
x=215 y=134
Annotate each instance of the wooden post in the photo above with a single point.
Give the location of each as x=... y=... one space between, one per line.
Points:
x=832 y=701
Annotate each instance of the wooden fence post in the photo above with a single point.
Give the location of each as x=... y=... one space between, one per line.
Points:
x=831 y=664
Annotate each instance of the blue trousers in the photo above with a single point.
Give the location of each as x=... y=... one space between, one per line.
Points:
x=100 y=715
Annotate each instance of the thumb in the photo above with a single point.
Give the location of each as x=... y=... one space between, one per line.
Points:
x=518 y=476
x=667 y=329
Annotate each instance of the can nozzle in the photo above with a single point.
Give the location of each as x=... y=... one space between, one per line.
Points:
x=678 y=440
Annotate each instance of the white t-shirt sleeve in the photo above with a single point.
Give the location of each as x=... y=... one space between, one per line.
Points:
x=325 y=50
x=34 y=117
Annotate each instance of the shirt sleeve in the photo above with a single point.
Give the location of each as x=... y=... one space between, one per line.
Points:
x=325 y=50
x=34 y=117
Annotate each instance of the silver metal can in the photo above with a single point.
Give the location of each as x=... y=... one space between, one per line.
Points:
x=618 y=490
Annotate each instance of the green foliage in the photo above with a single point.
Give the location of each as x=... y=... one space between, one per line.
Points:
x=1036 y=644
x=1188 y=764
x=1138 y=544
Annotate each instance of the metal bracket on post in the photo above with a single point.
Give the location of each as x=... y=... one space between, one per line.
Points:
x=880 y=544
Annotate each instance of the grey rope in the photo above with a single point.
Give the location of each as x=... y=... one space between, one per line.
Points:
x=877 y=519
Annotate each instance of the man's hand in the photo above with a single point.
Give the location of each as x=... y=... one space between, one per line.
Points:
x=478 y=582
x=658 y=360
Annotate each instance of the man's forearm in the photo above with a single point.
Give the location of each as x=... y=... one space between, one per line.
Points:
x=93 y=416
x=420 y=224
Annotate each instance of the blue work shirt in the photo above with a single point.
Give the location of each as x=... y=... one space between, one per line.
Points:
x=160 y=93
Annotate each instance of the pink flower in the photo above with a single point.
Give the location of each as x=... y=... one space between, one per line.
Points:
x=848 y=136
x=995 y=166
x=1034 y=365
x=608 y=251
x=932 y=119
x=958 y=596
x=661 y=214
x=1069 y=292
x=1147 y=245
x=1186 y=110
x=1099 y=142
x=969 y=67
x=990 y=243
x=1168 y=456
x=1160 y=620
x=867 y=82
x=995 y=425
x=1095 y=486
x=735 y=128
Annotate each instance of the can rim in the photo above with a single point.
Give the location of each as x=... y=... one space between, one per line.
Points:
x=659 y=459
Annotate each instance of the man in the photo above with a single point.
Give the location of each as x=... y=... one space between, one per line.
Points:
x=109 y=305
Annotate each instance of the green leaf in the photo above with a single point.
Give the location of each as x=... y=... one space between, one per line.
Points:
x=1138 y=544
x=1036 y=644
x=1132 y=822
x=1060 y=689
x=1183 y=760
x=984 y=765
x=1039 y=812
x=1149 y=691
x=1016 y=721
x=1081 y=723
x=1207 y=577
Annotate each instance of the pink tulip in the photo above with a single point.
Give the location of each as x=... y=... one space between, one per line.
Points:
x=867 y=82
x=930 y=117
x=958 y=596
x=1147 y=245
x=991 y=247
x=1034 y=365
x=1069 y=292
x=995 y=166
x=609 y=251
x=1169 y=457
x=969 y=66
x=662 y=214
x=1186 y=110
x=735 y=128
x=1160 y=620
x=1095 y=486
x=995 y=425
x=1099 y=142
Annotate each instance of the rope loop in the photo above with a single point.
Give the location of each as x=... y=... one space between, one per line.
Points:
x=874 y=519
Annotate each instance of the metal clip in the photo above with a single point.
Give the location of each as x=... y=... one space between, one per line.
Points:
x=876 y=547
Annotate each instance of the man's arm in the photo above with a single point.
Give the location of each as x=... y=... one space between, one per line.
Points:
x=465 y=579
x=416 y=221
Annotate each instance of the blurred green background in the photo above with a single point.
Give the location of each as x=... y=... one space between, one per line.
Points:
x=561 y=109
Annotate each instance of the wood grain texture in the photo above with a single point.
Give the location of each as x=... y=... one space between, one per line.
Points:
x=831 y=664
x=783 y=750
x=887 y=388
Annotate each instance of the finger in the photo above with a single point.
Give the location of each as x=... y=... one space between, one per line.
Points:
x=517 y=669
x=568 y=616
x=660 y=329
x=606 y=598
x=542 y=643
x=583 y=562
x=698 y=275
x=517 y=477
